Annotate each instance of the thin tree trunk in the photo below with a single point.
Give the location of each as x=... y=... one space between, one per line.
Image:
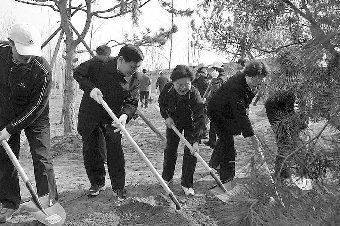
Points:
x=172 y=24
x=70 y=85
x=69 y=93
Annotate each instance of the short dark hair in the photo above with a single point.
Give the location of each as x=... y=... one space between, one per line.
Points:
x=131 y=53
x=255 y=68
x=103 y=50
x=181 y=71
x=144 y=70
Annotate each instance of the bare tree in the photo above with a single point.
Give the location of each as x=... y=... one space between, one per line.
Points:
x=73 y=38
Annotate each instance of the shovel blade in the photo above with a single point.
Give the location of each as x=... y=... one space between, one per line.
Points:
x=56 y=214
x=303 y=183
x=232 y=190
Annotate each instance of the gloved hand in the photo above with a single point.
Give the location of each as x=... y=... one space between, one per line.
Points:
x=169 y=122
x=122 y=120
x=4 y=135
x=95 y=93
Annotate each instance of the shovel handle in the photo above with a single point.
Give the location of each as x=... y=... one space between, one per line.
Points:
x=150 y=125
x=140 y=152
x=15 y=161
x=199 y=158
x=23 y=175
x=268 y=170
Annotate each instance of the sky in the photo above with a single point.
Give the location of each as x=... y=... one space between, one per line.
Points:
x=153 y=17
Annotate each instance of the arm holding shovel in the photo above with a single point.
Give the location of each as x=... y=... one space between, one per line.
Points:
x=181 y=105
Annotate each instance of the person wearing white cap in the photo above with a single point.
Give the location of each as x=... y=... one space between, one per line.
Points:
x=25 y=83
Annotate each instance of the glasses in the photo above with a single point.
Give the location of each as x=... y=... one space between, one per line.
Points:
x=182 y=85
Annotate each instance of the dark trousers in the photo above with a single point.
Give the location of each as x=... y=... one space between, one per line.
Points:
x=224 y=153
x=144 y=97
x=285 y=144
x=170 y=157
x=212 y=134
x=38 y=136
x=94 y=160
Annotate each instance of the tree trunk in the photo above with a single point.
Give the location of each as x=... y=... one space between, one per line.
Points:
x=69 y=93
x=68 y=111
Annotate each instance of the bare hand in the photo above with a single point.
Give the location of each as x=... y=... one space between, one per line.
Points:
x=95 y=93
x=169 y=122
x=4 y=135
x=122 y=120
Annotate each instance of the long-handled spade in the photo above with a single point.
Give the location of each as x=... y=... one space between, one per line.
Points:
x=152 y=127
x=42 y=209
x=222 y=189
x=268 y=170
x=140 y=152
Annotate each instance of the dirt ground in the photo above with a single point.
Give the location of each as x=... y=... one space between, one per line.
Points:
x=147 y=203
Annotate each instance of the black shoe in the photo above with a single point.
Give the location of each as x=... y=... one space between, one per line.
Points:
x=95 y=190
x=121 y=193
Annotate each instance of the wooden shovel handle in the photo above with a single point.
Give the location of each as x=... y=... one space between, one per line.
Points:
x=193 y=152
x=140 y=152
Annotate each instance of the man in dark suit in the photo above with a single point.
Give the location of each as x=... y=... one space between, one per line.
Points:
x=227 y=110
x=117 y=82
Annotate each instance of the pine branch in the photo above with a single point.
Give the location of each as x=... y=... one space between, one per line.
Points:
x=116 y=7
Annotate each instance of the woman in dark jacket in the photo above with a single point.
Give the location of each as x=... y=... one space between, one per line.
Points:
x=227 y=109
x=181 y=105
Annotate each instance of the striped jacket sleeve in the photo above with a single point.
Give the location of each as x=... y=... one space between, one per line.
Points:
x=38 y=100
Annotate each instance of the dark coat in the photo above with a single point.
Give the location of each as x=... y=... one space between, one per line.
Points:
x=282 y=116
x=232 y=100
x=186 y=110
x=201 y=84
x=120 y=95
x=161 y=81
x=24 y=91
x=279 y=104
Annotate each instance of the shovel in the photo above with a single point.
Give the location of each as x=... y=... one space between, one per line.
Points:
x=150 y=125
x=140 y=152
x=268 y=170
x=41 y=208
x=217 y=191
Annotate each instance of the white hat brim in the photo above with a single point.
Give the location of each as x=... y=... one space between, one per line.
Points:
x=25 y=50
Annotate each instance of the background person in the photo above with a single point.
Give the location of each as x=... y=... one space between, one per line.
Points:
x=201 y=82
x=287 y=125
x=181 y=105
x=161 y=81
x=216 y=82
x=144 y=88
x=25 y=85
x=117 y=82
